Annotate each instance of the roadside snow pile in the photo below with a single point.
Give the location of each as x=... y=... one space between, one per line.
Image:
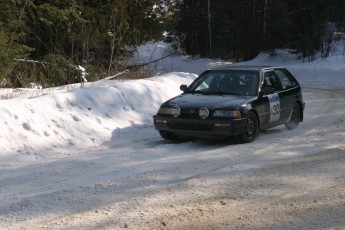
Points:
x=82 y=117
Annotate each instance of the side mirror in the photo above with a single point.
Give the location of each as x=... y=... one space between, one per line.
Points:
x=267 y=90
x=183 y=88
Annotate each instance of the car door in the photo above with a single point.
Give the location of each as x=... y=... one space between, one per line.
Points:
x=274 y=103
x=287 y=94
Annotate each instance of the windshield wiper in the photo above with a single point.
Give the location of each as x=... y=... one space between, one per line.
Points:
x=220 y=93
x=199 y=92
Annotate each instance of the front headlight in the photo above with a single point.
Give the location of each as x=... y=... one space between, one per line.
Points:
x=227 y=113
x=164 y=110
x=174 y=111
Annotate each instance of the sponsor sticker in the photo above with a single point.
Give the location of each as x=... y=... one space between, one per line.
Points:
x=274 y=107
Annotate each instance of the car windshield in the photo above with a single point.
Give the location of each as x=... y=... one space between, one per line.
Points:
x=226 y=82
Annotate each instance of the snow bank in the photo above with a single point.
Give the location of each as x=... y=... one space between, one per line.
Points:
x=82 y=117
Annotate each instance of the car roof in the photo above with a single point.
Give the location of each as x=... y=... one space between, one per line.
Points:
x=244 y=67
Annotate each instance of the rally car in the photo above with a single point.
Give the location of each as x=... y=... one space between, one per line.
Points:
x=232 y=101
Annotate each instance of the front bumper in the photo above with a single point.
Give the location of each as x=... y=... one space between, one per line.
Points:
x=198 y=127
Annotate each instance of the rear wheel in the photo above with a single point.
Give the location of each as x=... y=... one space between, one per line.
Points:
x=295 y=117
x=251 y=128
x=168 y=136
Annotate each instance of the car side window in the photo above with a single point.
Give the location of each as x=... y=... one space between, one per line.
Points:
x=271 y=80
x=286 y=81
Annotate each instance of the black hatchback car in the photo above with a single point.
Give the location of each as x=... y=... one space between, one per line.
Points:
x=232 y=101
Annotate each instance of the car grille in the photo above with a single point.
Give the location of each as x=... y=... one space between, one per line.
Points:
x=198 y=127
x=190 y=113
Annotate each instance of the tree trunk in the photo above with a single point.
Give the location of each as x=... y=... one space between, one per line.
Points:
x=209 y=26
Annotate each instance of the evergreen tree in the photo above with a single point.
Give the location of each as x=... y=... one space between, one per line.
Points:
x=193 y=26
x=11 y=46
x=98 y=34
x=94 y=33
x=242 y=29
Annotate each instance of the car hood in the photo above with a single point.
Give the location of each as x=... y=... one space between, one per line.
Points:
x=197 y=101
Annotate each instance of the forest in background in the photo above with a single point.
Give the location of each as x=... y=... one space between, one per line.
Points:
x=46 y=42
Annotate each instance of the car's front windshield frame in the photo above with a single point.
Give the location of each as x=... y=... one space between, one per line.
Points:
x=226 y=82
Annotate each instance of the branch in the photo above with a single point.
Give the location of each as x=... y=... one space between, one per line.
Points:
x=150 y=62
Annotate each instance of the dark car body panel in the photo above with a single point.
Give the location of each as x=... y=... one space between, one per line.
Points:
x=198 y=101
x=271 y=110
x=200 y=128
x=190 y=124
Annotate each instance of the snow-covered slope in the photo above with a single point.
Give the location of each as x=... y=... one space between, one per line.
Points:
x=33 y=127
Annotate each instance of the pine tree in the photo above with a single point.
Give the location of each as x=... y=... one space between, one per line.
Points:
x=11 y=46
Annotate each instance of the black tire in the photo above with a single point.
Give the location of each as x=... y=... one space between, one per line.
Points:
x=295 y=117
x=251 y=128
x=168 y=136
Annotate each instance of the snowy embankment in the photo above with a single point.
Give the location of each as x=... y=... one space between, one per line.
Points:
x=84 y=117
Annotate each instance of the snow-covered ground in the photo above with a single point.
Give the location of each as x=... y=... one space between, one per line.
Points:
x=89 y=158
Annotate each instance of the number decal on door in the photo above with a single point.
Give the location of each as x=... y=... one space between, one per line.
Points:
x=274 y=107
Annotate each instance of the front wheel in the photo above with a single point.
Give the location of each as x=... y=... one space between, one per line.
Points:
x=168 y=136
x=295 y=117
x=251 y=128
